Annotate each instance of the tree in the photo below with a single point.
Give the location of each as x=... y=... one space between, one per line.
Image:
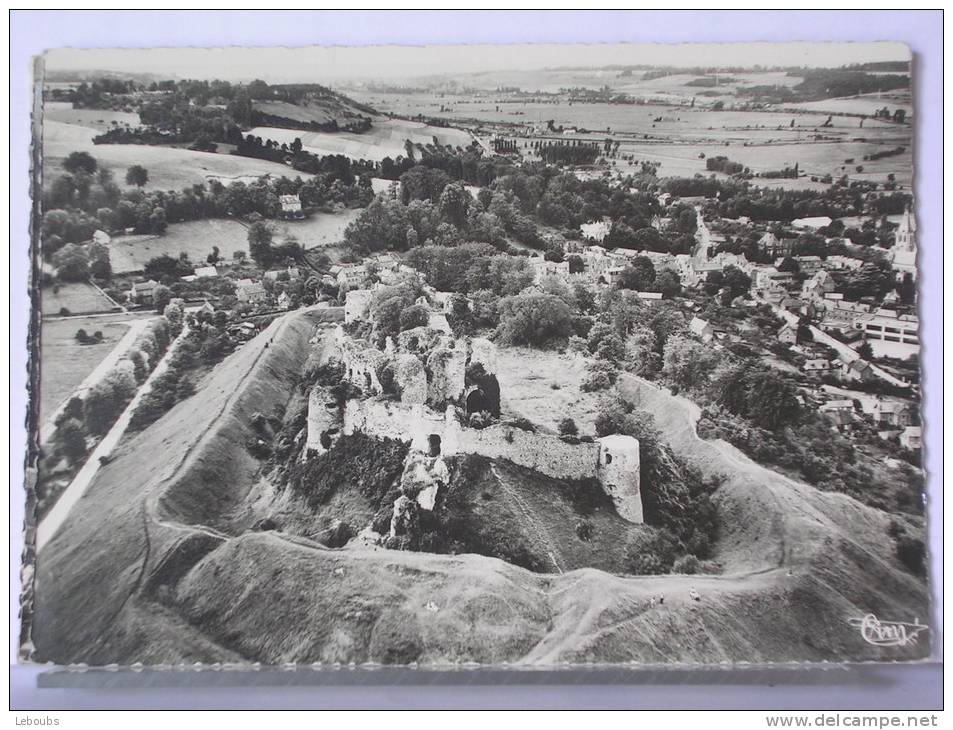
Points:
x=772 y=401
x=638 y=275
x=137 y=175
x=454 y=204
x=77 y=162
x=415 y=316
x=161 y=296
x=866 y=351
x=106 y=399
x=70 y=440
x=534 y=319
x=72 y=263
x=735 y=281
x=568 y=427
x=259 y=243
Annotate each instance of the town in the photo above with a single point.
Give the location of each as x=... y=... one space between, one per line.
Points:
x=481 y=356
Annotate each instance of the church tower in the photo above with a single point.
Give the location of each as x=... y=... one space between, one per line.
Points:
x=906 y=236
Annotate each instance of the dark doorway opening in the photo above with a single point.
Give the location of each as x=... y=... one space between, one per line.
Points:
x=434 y=441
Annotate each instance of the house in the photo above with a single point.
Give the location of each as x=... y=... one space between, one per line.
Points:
x=788 y=335
x=839 y=405
x=772 y=245
x=819 y=285
x=101 y=237
x=701 y=329
x=142 y=292
x=811 y=224
x=843 y=262
x=349 y=275
x=284 y=301
x=206 y=308
x=290 y=204
x=543 y=268
x=596 y=230
x=889 y=412
x=819 y=365
x=858 y=370
x=250 y=291
x=911 y=438
x=277 y=274
x=205 y=272
x=809 y=265
x=649 y=296
x=769 y=278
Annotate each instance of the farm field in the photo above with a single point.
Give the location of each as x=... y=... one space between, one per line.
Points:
x=321 y=229
x=812 y=158
x=170 y=168
x=677 y=121
x=196 y=238
x=97 y=119
x=385 y=139
x=65 y=362
x=863 y=104
x=78 y=298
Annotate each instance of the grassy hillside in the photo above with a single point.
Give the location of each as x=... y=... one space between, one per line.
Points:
x=149 y=569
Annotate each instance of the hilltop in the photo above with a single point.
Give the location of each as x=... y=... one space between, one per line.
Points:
x=152 y=565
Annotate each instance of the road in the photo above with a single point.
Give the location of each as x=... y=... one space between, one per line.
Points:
x=846 y=353
x=136 y=326
x=74 y=492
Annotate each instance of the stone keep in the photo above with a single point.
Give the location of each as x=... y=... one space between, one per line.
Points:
x=619 y=472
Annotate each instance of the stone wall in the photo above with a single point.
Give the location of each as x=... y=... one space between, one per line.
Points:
x=547 y=454
x=324 y=420
x=619 y=472
x=613 y=460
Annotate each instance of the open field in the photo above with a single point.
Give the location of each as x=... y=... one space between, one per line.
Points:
x=321 y=229
x=196 y=238
x=97 y=119
x=527 y=377
x=78 y=298
x=65 y=362
x=677 y=122
x=385 y=139
x=816 y=159
x=170 y=168
x=863 y=104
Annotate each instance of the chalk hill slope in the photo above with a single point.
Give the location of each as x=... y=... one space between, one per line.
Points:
x=146 y=569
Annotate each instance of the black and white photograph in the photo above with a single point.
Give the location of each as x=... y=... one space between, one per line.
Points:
x=518 y=356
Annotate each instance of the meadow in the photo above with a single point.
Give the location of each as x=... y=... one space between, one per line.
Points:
x=170 y=168
x=385 y=139
x=196 y=238
x=78 y=298
x=65 y=362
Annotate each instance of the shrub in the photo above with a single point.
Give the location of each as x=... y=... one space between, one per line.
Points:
x=687 y=564
x=584 y=530
x=568 y=427
x=524 y=424
x=912 y=554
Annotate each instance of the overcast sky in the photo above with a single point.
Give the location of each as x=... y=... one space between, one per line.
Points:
x=336 y=63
